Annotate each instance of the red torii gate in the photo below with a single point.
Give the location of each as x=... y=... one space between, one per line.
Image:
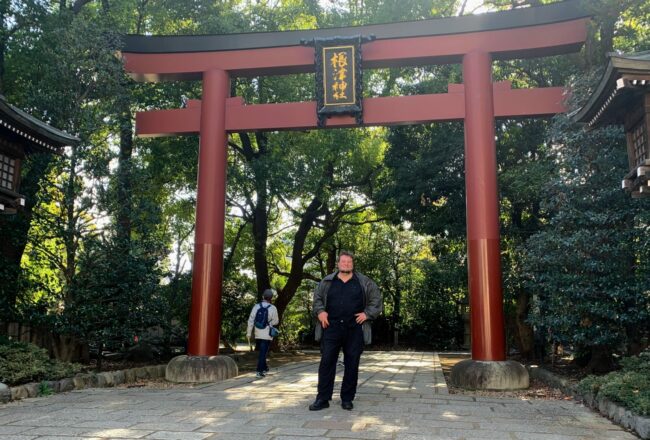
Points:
x=474 y=41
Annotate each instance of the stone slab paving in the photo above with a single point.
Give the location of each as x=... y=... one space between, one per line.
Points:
x=402 y=396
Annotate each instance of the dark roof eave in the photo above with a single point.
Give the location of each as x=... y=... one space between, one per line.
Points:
x=48 y=133
x=617 y=64
x=516 y=18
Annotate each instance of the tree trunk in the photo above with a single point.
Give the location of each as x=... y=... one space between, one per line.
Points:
x=607 y=37
x=100 y=358
x=69 y=349
x=331 y=259
x=601 y=33
x=69 y=234
x=78 y=5
x=397 y=297
x=601 y=361
x=3 y=50
x=125 y=179
x=260 y=236
x=396 y=315
x=525 y=335
x=4 y=37
x=297 y=258
x=261 y=223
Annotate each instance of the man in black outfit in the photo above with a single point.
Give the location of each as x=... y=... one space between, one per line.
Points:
x=345 y=303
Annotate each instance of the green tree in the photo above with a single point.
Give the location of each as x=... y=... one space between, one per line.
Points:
x=587 y=266
x=314 y=177
x=396 y=259
x=114 y=300
x=69 y=91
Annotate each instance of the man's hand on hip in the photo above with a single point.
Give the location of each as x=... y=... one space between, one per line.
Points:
x=361 y=317
x=322 y=317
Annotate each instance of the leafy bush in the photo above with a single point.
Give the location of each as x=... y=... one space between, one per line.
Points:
x=23 y=362
x=44 y=389
x=630 y=386
x=591 y=384
x=639 y=363
x=115 y=295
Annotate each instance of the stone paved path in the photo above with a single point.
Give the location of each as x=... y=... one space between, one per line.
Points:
x=401 y=396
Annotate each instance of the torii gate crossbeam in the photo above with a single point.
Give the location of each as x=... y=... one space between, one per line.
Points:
x=394 y=110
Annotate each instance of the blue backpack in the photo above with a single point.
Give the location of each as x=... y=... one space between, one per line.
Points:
x=262 y=317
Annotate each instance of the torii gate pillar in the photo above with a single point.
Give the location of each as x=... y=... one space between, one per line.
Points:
x=203 y=363
x=488 y=368
x=484 y=263
x=207 y=275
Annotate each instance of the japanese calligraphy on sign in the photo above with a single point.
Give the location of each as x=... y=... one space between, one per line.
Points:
x=338 y=76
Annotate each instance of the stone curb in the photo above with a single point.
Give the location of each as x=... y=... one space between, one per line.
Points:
x=80 y=381
x=618 y=414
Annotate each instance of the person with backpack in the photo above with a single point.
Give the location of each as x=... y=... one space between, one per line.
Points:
x=261 y=326
x=345 y=303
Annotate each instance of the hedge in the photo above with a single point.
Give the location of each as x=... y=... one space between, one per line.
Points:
x=629 y=386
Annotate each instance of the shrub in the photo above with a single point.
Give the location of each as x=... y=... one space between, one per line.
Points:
x=630 y=386
x=631 y=389
x=639 y=363
x=591 y=384
x=44 y=389
x=23 y=362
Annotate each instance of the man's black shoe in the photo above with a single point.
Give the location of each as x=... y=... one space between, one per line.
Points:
x=318 y=405
x=347 y=405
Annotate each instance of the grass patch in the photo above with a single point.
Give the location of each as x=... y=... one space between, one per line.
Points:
x=44 y=389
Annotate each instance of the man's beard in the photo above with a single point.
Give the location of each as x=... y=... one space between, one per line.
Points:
x=345 y=271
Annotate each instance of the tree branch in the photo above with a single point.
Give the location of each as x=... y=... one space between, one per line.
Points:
x=78 y=5
x=237 y=148
x=247 y=146
x=305 y=275
x=245 y=213
x=365 y=180
x=286 y=205
x=272 y=234
x=365 y=222
x=226 y=264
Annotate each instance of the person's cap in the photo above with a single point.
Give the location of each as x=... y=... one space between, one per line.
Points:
x=268 y=294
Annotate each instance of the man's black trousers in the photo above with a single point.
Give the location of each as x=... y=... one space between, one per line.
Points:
x=339 y=336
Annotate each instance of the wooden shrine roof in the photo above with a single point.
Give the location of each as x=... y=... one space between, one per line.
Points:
x=35 y=134
x=626 y=78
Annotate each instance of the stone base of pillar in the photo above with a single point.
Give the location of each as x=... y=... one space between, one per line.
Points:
x=489 y=375
x=200 y=369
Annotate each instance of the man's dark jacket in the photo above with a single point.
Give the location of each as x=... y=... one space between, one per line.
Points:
x=372 y=303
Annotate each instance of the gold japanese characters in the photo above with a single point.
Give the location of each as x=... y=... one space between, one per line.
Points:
x=338 y=75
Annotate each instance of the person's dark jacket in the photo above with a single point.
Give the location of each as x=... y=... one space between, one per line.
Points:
x=372 y=302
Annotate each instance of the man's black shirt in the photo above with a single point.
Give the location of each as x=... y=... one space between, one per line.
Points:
x=344 y=300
